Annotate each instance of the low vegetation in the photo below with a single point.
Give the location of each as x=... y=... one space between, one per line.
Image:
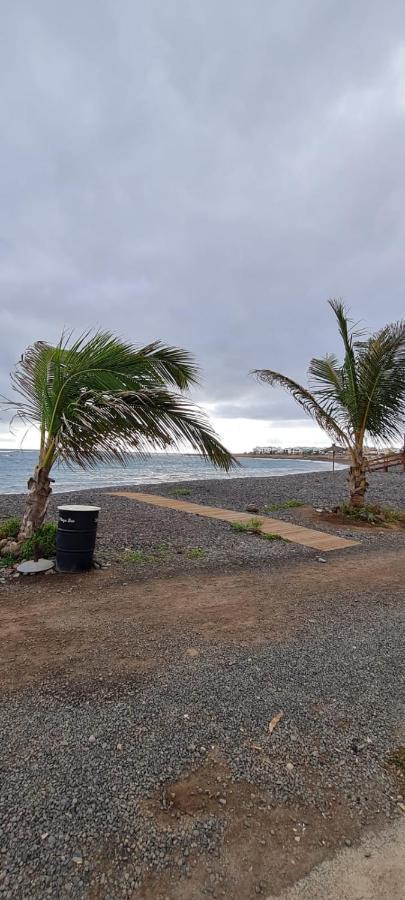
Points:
x=40 y=545
x=254 y=526
x=9 y=528
x=195 y=553
x=159 y=553
x=398 y=760
x=180 y=492
x=289 y=504
x=373 y=514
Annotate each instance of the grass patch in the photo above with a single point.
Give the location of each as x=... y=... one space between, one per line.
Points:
x=398 y=759
x=373 y=514
x=252 y=526
x=195 y=553
x=158 y=553
x=6 y=561
x=140 y=556
x=288 y=504
x=180 y=492
x=42 y=544
x=136 y=556
x=10 y=528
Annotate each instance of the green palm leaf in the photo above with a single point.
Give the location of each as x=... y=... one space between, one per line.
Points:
x=99 y=398
x=364 y=396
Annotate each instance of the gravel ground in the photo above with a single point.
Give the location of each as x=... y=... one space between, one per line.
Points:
x=169 y=538
x=78 y=761
x=80 y=758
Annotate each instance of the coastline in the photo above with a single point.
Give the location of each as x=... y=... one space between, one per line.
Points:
x=234 y=475
x=167 y=540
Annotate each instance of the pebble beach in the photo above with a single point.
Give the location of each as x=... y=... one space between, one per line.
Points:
x=170 y=537
x=130 y=693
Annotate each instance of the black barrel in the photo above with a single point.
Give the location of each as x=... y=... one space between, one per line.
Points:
x=76 y=537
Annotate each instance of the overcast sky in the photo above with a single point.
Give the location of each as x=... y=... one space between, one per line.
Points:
x=207 y=173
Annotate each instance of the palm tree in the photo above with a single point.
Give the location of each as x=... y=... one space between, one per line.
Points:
x=97 y=398
x=363 y=396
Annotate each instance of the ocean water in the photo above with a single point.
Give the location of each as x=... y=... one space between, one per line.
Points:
x=17 y=465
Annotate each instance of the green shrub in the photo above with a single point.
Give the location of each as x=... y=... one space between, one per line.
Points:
x=136 y=556
x=252 y=526
x=42 y=544
x=372 y=514
x=289 y=504
x=271 y=536
x=10 y=528
x=195 y=552
x=7 y=560
x=162 y=548
x=180 y=492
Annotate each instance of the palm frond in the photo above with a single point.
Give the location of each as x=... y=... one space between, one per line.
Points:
x=327 y=384
x=109 y=425
x=98 y=397
x=381 y=368
x=306 y=400
x=348 y=333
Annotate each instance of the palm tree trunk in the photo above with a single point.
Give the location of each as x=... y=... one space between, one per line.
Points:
x=357 y=477
x=39 y=492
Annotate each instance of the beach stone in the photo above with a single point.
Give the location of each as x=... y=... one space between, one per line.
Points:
x=252 y=508
x=10 y=547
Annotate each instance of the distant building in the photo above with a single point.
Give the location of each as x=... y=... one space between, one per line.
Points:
x=267 y=450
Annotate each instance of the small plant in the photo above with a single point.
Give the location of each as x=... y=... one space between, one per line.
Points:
x=6 y=561
x=398 y=759
x=180 y=492
x=271 y=536
x=41 y=544
x=288 y=504
x=252 y=526
x=10 y=528
x=195 y=552
x=139 y=556
x=372 y=515
x=162 y=548
x=136 y=556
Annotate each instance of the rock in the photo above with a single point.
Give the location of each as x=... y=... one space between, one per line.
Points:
x=92 y=739
x=252 y=508
x=77 y=858
x=289 y=767
x=3 y=542
x=119 y=747
x=10 y=547
x=348 y=842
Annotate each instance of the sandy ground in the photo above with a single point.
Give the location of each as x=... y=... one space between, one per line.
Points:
x=373 y=871
x=95 y=643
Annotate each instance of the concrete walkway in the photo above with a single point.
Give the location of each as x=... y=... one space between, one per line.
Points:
x=373 y=871
x=297 y=534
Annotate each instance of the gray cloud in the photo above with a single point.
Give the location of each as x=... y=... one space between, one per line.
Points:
x=204 y=173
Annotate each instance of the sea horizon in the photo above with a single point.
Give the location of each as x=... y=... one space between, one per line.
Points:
x=17 y=465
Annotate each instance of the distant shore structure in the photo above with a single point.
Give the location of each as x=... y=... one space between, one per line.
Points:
x=299 y=451
x=334 y=452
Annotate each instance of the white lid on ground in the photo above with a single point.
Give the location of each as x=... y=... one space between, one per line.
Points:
x=31 y=566
x=73 y=508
